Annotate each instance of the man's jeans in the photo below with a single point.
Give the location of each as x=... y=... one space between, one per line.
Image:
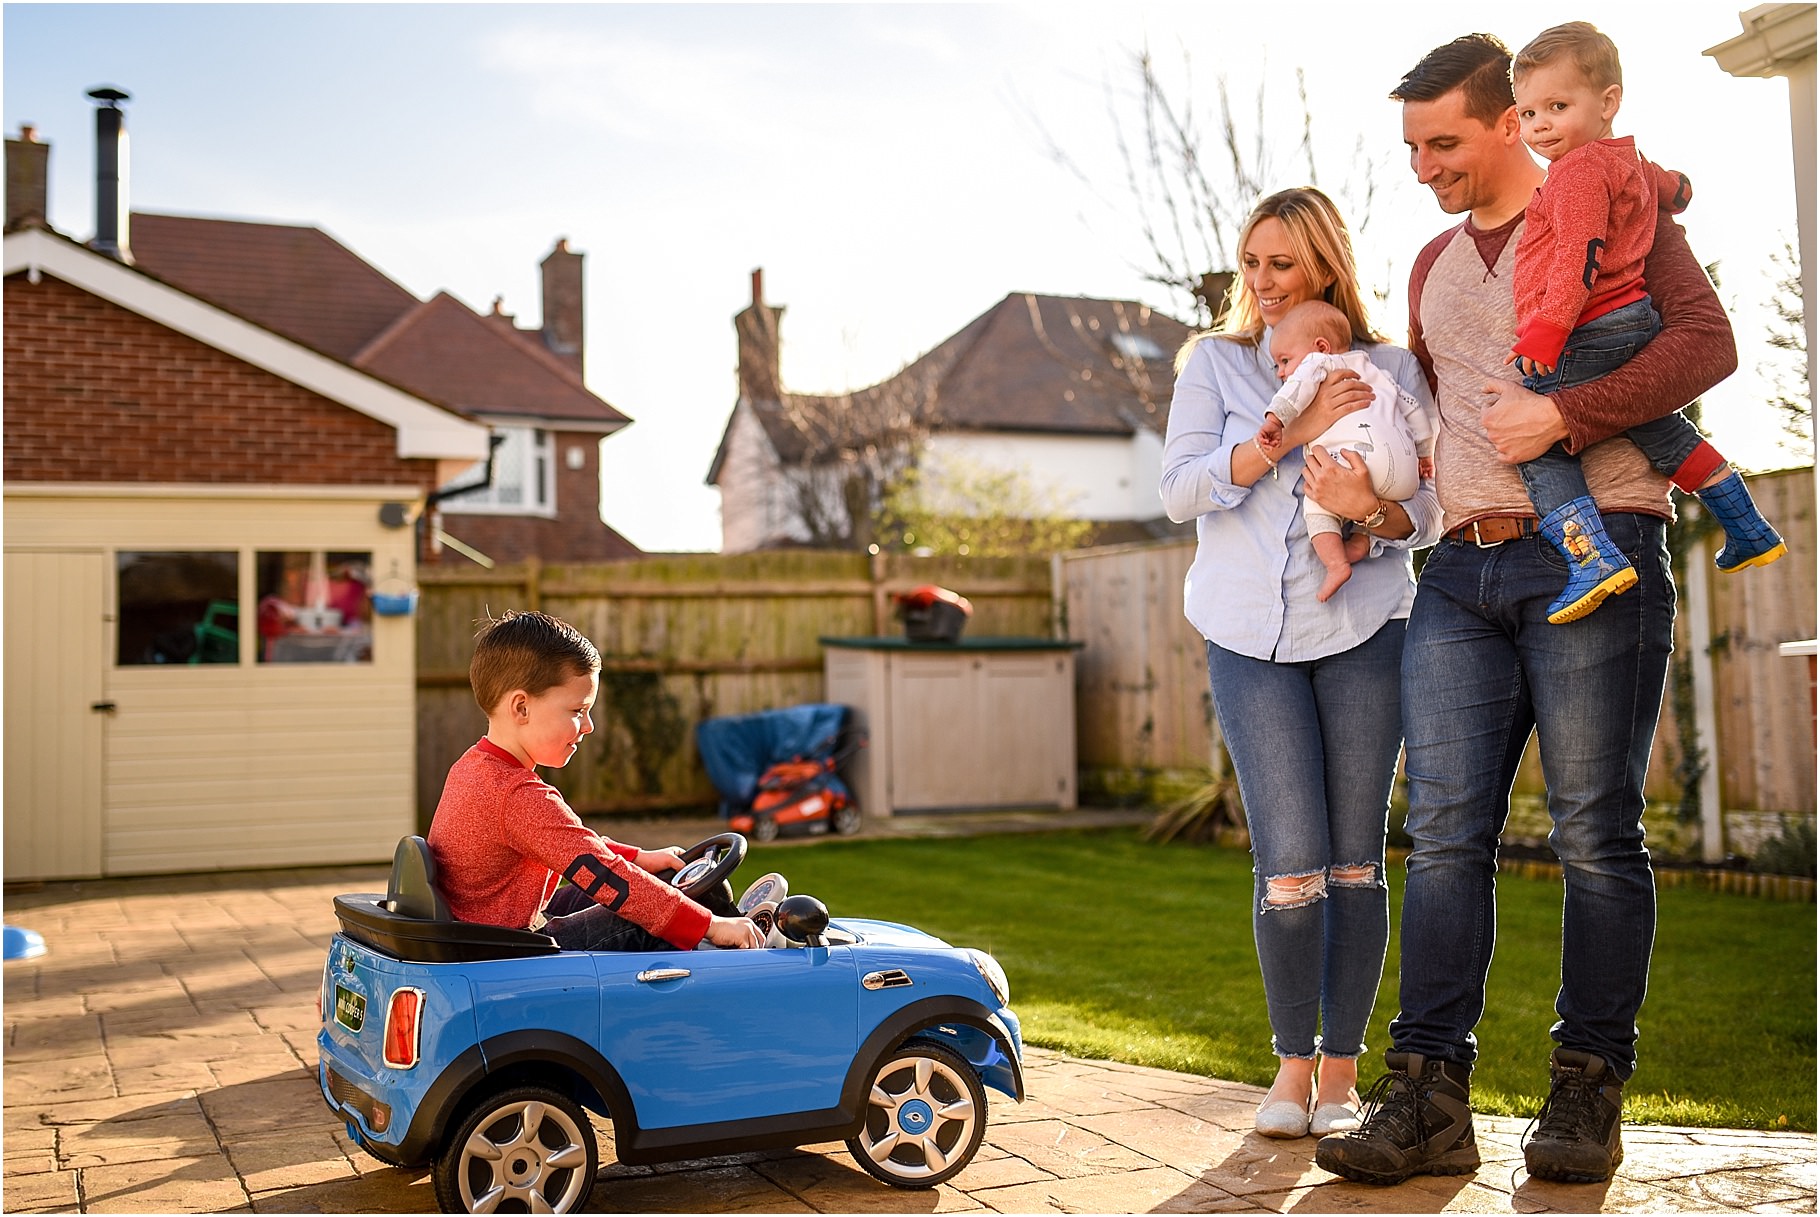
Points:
x=1314 y=746
x=1483 y=666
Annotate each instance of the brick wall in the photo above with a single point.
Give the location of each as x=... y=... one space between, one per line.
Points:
x=577 y=536
x=96 y=393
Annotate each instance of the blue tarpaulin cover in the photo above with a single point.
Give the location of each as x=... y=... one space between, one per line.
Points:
x=738 y=748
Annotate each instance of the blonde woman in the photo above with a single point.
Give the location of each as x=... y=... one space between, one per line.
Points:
x=1307 y=692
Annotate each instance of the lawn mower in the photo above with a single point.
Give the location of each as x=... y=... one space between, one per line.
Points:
x=777 y=769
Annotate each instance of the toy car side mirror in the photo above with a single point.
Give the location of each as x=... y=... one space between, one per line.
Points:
x=802 y=919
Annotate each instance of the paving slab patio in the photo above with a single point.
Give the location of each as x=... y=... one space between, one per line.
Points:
x=161 y=1058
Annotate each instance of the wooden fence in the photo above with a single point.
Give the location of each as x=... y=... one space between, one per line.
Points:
x=687 y=637
x=1146 y=722
x=1146 y=730
x=1763 y=700
x=683 y=638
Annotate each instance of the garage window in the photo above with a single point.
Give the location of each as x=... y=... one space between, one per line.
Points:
x=315 y=606
x=178 y=607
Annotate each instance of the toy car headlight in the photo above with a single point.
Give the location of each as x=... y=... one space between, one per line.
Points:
x=995 y=975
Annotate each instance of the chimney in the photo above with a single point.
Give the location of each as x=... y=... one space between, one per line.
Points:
x=562 y=330
x=759 y=346
x=28 y=165
x=110 y=174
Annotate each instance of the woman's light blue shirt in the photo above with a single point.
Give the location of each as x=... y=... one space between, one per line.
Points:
x=1252 y=586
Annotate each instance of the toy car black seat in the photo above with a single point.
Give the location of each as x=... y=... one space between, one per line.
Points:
x=412 y=921
x=412 y=891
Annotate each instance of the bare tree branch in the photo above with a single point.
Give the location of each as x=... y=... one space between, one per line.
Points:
x=1787 y=374
x=1188 y=213
x=839 y=452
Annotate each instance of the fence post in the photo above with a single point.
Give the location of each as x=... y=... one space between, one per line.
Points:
x=1706 y=725
x=534 y=583
x=875 y=571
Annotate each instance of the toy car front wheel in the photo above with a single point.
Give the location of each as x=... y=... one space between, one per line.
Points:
x=527 y=1149
x=924 y=1119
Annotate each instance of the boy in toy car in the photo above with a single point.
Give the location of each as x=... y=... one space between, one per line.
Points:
x=502 y=836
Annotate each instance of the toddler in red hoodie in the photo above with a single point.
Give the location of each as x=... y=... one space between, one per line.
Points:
x=1583 y=308
x=503 y=837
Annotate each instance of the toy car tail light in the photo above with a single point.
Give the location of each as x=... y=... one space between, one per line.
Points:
x=403 y=1019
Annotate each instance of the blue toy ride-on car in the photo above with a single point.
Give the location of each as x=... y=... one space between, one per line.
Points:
x=480 y=1050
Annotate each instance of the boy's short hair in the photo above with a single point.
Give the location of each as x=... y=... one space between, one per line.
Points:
x=1595 y=55
x=1319 y=319
x=529 y=651
x=1476 y=64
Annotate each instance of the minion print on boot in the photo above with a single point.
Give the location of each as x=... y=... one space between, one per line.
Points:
x=1596 y=568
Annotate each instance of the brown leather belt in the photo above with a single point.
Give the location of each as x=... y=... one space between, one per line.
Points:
x=1494 y=530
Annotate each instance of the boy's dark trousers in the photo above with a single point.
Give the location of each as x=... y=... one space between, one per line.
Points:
x=578 y=923
x=1603 y=345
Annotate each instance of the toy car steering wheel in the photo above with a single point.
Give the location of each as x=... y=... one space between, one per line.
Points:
x=707 y=864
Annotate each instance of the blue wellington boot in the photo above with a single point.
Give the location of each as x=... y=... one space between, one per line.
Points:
x=1749 y=538
x=1596 y=567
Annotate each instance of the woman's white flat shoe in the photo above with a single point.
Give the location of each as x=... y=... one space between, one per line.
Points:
x=1335 y=1117
x=1283 y=1119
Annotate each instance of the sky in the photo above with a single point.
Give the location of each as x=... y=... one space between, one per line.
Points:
x=891 y=168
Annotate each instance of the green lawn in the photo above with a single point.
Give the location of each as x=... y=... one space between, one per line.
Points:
x=1139 y=952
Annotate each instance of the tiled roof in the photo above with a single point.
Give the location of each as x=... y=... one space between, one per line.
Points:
x=1061 y=365
x=1055 y=364
x=289 y=278
x=448 y=352
x=300 y=282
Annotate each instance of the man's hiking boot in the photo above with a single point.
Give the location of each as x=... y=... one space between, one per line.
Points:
x=1577 y=1131
x=1417 y=1121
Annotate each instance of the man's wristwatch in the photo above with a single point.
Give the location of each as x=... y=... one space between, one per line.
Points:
x=1376 y=518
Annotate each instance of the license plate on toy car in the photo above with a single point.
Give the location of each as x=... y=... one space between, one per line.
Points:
x=350 y=1008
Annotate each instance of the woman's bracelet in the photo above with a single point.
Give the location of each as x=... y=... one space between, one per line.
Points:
x=1265 y=455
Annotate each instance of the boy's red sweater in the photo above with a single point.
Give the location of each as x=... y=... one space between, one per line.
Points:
x=1586 y=232
x=502 y=837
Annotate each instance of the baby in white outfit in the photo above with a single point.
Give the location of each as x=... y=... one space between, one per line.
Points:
x=1394 y=435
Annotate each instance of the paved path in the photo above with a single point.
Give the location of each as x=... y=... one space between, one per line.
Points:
x=161 y=1058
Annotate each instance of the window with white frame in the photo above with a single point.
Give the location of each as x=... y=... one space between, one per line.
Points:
x=524 y=476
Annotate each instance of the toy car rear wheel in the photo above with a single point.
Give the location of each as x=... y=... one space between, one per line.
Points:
x=526 y=1149
x=924 y=1118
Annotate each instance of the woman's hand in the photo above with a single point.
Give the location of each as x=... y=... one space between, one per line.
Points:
x=1339 y=482
x=1342 y=393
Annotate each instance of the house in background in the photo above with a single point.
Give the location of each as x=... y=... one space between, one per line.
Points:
x=1071 y=392
x=187 y=494
x=219 y=455
x=543 y=497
